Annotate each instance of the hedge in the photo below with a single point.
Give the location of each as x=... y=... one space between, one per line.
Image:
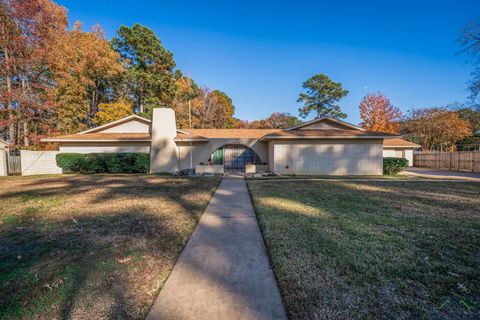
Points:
x=104 y=162
x=394 y=165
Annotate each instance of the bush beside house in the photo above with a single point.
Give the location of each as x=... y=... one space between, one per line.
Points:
x=394 y=165
x=104 y=162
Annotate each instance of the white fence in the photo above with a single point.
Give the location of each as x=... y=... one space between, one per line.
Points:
x=3 y=162
x=39 y=162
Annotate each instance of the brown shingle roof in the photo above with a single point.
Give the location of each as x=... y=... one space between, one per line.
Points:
x=397 y=142
x=103 y=137
x=227 y=133
x=326 y=133
x=205 y=134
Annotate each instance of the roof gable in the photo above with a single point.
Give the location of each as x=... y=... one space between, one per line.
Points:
x=3 y=143
x=328 y=124
x=130 y=124
x=400 y=143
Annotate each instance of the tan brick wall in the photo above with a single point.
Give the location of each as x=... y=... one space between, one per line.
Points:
x=399 y=152
x=329 y=157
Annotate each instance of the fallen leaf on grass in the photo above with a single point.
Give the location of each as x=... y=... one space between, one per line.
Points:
x=124 y=260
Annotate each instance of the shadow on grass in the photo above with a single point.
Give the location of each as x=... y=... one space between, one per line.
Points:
x=373 y=249
x=101 y=264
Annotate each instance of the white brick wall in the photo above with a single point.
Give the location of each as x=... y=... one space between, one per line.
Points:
x=39 y=162
x=3 y=162
x=141 y=147
x=359 y=157
x=405 y=153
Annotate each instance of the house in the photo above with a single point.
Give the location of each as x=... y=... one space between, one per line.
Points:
x=3 y=157
x=322 y=146
x=3 y=144
x=399 y=148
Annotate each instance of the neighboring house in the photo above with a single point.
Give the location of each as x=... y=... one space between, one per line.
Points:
x=4 y=144
x=3 y=157
x=323 y=146
x=399 y=148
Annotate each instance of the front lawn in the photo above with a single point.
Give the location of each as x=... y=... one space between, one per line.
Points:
x=373 y=249
x=90 y=247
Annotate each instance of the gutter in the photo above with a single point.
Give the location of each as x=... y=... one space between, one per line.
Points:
x=90 y=140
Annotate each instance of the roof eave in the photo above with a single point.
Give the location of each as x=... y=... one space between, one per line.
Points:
x=405 y=147
x=95 y=140
x=193 y=140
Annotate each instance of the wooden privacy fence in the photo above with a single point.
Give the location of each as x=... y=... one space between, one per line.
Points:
x=458 y=161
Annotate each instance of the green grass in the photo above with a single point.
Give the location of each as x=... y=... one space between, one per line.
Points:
x=374 y=249
x=96 y=246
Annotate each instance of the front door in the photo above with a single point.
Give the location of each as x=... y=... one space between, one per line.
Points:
x=235 y=157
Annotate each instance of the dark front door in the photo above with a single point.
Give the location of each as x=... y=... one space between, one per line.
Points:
x=237 y=156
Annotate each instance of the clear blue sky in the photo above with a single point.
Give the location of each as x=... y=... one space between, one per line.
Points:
x=260 y=52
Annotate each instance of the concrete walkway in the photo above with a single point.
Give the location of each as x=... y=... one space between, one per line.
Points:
x=224 y=271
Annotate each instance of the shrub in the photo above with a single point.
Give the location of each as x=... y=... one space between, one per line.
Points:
x=104 y=162
x=394 y=165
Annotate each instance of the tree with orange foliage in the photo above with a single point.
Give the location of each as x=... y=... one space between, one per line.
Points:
x=83 y=64
x=210 y=109
x=435 y=128
x=378 y=114
x=28 y=30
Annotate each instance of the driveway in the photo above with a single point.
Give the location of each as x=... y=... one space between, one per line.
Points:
x=224 y=271
x=442 y=174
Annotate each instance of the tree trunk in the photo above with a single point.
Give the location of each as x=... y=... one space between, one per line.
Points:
x=19 y=135
x=11 y=129
x=26 y=138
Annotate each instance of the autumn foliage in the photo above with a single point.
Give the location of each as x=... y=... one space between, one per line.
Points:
x=277 y=120
x=82 y=64
x=108 y=112
x=378 y=114
x=59 y=81
x=28 y=31
x=435 y=128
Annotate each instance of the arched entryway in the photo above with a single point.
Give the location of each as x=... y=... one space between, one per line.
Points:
x=234 y=157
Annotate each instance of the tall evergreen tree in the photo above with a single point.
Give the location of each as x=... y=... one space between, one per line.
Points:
x=322 y=95
x=150 y=76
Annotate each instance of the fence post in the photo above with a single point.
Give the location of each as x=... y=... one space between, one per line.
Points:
x=458 y=161
x=473 y=160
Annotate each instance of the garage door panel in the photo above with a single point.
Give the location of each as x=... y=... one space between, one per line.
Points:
x=328 y=158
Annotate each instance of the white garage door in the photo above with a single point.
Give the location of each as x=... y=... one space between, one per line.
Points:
x=329 y=158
